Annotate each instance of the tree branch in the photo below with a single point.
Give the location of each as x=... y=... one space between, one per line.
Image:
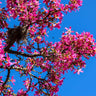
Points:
x=22 y=54
x=7 y=78
x=19 y=68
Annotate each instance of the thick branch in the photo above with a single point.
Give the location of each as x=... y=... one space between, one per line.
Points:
x=22 y=54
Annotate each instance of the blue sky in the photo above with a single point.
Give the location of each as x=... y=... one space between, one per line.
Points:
x=82 y=20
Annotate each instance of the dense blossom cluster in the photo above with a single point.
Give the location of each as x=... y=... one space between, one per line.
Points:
x=42 y=62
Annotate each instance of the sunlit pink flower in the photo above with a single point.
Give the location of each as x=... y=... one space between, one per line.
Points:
x=69 y=31
x=80 y=70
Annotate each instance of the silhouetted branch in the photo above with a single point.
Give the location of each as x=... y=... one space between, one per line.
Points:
x=7 y=78
x=22 y=54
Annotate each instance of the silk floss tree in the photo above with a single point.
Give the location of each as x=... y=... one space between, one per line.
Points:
x=25 y=51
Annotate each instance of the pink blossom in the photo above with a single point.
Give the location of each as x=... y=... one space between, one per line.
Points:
x=27 y=83
x=69 y=31
x=13 y=80
x=80 y=70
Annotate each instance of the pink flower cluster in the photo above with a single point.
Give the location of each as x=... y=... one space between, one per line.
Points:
x=73 y=5
x=62 y=56
x=70 y=50
x=3 y=17
x=26 y=10
x=1 y=53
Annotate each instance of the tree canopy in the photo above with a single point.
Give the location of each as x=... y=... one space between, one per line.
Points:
x=24 y=49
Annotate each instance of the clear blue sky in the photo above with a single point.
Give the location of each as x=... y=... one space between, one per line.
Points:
x=82 y=20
